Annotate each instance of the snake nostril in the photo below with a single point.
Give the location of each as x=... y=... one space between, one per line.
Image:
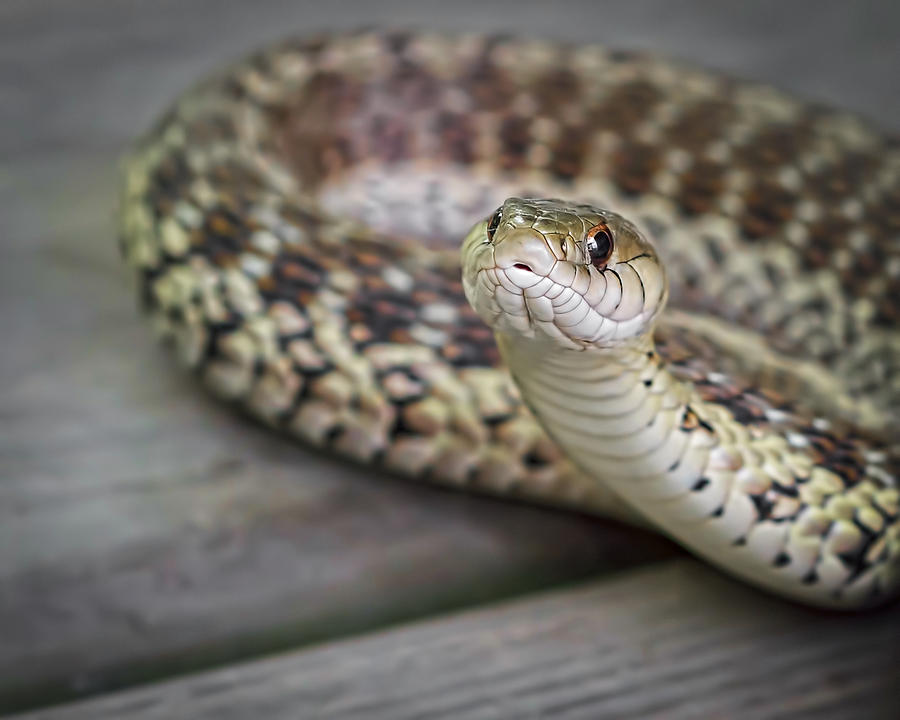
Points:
x=523 y=266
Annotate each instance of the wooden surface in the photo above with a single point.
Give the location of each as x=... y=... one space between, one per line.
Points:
x=670 y=641
x=146 y=530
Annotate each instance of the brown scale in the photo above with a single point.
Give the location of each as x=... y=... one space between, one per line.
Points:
x=490 y=87
x=224 y=235
x=299 y=268
x=634 y=166
x=570 y=152
x=774 y=146
x=515 y=140
x=307 y=128
x=308 y=222
x=887 y=312
x=839 y=180
x=701 y=187
x=845 y=455
x=700 y=124
x=169 y=182
x=844 y=459
x=625 y=106
x=385 y=313
x=330 y=94
x=412 y=86
x=556 y=89
x=294 y=274
x=472 y=343
x=868 y=263
x=824 y=237
x=691 y=421
x=889 y=220
x=335 y=154
x=457 y=136
x=236 y=179
x=767 y=208
x=882 y=223
x=212 y=128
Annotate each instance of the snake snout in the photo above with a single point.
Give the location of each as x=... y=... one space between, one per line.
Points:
x=524 y=249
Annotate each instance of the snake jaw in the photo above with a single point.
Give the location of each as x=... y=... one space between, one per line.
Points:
x=528 y=272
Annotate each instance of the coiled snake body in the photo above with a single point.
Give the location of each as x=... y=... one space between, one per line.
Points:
x=295 y=225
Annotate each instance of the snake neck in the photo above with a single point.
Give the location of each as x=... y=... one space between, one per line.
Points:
x=617 y=411
x=701 y=477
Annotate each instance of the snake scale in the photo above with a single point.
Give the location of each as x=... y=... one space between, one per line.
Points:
x=295 y=224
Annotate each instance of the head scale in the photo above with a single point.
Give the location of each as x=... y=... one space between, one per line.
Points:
x=571 y=274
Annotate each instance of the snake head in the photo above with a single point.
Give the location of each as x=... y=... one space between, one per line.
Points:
x=576 y=275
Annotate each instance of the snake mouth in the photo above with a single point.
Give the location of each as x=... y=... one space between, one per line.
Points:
x=516 y=300
x=535 y=276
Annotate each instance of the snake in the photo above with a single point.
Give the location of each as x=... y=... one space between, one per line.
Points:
x=676 y=300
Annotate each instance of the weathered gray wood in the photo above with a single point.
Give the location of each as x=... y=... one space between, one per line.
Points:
x=145 y=529
x=678 y=641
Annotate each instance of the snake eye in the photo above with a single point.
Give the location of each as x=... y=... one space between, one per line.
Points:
x=599 y=243
x=493 y=223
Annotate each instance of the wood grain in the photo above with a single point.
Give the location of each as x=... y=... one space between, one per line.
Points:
x=146 y=530
x=667 y=642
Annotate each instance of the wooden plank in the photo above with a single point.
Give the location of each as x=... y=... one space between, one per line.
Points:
x=146 y=530
x=671 y=641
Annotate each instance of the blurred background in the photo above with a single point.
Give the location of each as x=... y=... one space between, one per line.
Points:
x=147 y=531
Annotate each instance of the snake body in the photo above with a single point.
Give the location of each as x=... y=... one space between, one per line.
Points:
x=294 y=224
